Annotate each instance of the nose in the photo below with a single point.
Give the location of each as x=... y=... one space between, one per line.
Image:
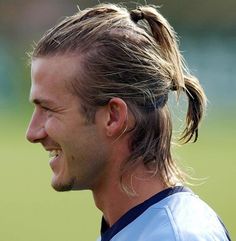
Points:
x=36 y=130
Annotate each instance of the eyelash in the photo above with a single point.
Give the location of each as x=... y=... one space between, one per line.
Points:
x=46 y=108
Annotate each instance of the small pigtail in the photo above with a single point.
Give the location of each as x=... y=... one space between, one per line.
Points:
x=196 y=107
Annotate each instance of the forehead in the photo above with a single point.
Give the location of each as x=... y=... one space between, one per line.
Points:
x=52 y=76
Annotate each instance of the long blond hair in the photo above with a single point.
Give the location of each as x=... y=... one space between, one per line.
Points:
x=134 y=56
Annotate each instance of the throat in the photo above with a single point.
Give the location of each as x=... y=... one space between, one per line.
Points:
x=115 y=202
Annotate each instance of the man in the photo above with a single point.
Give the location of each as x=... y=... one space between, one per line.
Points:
x=100 y=85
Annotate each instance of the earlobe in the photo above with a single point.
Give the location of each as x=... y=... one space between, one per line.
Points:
x=118 y=114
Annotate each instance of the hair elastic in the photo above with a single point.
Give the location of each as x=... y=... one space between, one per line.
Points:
x=159 y=103
x=136 y=15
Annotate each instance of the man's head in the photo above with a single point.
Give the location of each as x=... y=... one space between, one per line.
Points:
x=106 y=58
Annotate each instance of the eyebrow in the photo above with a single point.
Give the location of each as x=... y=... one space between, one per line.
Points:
x=38 y=101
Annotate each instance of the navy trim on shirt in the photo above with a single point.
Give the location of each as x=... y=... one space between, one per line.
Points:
x=107 y=233
x=226 y=231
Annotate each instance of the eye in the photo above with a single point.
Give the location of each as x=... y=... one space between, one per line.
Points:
x=48 y=112
x=45 y=108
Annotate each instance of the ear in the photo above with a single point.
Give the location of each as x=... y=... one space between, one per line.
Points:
x=117 y=117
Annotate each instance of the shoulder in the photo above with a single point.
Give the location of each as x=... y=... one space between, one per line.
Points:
x=175 y=214
x=189 y=218
x=179 y=217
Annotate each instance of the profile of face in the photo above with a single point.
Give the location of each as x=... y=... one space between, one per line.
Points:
x=76 y=148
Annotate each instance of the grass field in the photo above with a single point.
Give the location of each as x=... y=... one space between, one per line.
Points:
x=31 y=210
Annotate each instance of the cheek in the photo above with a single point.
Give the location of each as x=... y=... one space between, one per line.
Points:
x=84 y=145
x=53 y=127
x=66 y=127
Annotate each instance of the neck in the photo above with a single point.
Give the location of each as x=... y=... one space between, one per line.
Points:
x=114 y=202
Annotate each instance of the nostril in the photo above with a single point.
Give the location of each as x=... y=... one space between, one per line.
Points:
x=35 y=135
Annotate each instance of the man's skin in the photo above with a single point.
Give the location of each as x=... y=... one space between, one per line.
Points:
x=85 y=155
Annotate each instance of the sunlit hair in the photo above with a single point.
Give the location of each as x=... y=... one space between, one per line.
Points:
x=134 y=56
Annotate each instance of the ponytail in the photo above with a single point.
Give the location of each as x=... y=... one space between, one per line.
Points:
x=181 y=79
x=165 y=37
x=196 y=107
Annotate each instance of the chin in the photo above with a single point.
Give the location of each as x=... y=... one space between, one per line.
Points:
x=62 y=186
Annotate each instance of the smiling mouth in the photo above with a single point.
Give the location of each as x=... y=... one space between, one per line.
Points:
x=54 y=153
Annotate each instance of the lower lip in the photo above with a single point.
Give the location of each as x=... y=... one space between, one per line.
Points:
x=53 y=162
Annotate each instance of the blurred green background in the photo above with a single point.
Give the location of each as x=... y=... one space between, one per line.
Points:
x=29 y=208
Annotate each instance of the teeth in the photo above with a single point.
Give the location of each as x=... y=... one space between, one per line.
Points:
x=54 y=153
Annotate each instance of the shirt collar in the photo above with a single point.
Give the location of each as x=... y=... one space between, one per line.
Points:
x=108 y=232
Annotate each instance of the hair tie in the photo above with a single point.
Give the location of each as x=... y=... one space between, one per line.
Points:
x=173 y=87
x=136 y=15
x=159 y=103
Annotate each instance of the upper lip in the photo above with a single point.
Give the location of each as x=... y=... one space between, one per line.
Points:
x=52 y=148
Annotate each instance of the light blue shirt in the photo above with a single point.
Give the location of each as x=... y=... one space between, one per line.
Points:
x=175 y=214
